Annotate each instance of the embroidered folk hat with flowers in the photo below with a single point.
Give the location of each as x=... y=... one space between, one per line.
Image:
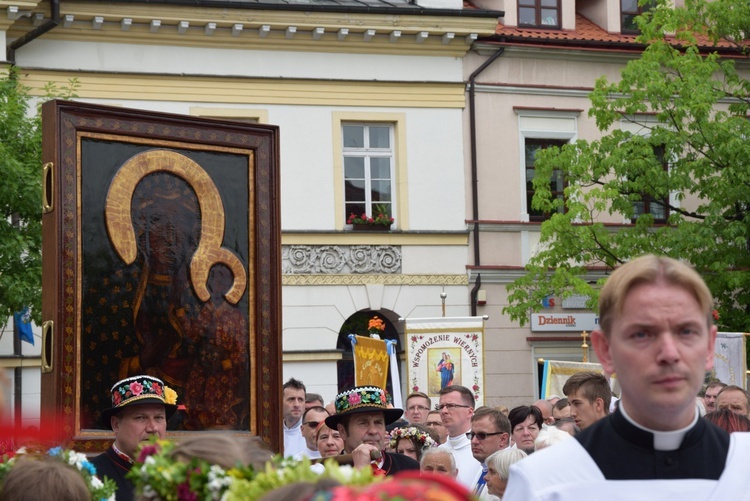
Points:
x=140 y=390
x=362 y=399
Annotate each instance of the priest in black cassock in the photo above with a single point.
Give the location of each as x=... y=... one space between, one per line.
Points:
x=657 y=335
x=139 y=411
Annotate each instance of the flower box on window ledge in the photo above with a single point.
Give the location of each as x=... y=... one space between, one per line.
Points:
x=381 y=221
x=370 y=227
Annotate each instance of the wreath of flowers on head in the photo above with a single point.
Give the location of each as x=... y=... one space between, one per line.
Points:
x=99 y=490
x=422 y=438
x=158 y=475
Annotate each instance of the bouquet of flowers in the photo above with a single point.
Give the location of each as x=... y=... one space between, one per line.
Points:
x=375 y=325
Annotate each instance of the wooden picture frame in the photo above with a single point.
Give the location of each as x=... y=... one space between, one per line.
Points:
x=161 y=256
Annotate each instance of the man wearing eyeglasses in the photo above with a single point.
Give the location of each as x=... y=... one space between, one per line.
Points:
x=456 y=409
x=490 y=432
x=435 y=423
x=310 y=421
x=417 y=407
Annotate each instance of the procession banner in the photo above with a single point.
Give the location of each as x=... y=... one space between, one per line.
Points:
x=730 y=364
x=370 y=361
x=557 y=372
x=444 y=351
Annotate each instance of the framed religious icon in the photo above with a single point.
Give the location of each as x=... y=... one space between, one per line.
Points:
x=161 y=256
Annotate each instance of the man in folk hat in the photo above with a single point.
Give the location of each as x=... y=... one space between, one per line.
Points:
x=361 y=416
x=139 y=411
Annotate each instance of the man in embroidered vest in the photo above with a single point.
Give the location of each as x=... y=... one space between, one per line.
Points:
x=490 y=432
x=139 y=411
x=362 y=414
x=657 y=334
x=456 y=409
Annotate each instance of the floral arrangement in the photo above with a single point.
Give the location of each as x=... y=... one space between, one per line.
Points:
x=100 y=490
x=422 y=439
x=158 y=475
x=375 y=325
x=281 y=472
x=380 y=217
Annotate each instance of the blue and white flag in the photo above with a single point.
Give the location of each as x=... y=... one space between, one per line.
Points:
x=22 y=319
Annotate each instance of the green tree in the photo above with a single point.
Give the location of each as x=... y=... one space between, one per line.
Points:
x=686 y=91
x=21 y=196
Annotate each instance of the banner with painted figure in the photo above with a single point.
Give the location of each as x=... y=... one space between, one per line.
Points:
x=557 y=372
x=730 y=364
x=370 y=361
x=444 y=351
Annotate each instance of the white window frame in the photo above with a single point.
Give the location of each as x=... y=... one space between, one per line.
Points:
x=368 y=153
x=399 y=193
x=539 y=124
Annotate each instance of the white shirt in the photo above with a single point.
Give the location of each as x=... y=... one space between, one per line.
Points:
x=469 y=468
x=307 y=452
x=565 y=472
x=294 y=442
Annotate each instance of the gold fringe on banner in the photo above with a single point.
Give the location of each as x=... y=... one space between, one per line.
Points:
x=557 y=372
x=370 y=362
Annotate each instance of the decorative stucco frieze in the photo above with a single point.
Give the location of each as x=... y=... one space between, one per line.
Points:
x=340 y=259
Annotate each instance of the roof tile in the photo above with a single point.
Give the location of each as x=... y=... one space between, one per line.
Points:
x=586 y=33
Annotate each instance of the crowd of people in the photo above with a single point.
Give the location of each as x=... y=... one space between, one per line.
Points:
x=668 y=433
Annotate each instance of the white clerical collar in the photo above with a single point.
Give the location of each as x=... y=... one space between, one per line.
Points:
x=663 y=440
x=458 y=441
x=297 y=425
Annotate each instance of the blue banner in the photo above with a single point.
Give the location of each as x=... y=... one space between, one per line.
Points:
x=22 y=319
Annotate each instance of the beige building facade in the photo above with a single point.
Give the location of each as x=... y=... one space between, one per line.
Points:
x=369 y=98
x=452 y=98
x=529 y=85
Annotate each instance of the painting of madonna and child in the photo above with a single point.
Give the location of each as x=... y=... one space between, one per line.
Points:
x=161 y=256
x=145 y=288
